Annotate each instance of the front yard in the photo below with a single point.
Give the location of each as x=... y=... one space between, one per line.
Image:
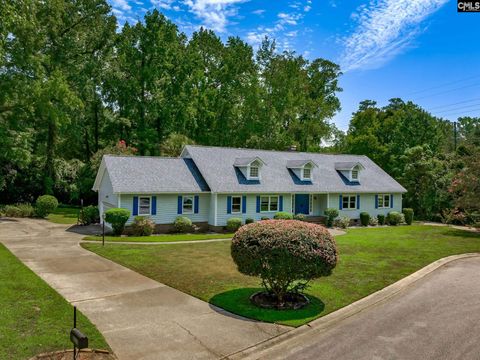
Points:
x=33 y=317
x=162 y=238
x=369 y=260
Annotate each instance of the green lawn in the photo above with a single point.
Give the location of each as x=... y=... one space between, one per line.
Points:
x=369 y=260
x=161 y=238
x=64 y=214
x=33 y=317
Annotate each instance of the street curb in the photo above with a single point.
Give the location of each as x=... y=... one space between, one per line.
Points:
x=260 y=350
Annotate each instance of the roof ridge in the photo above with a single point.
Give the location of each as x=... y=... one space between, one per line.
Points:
x=145 y=156
x=269 y=150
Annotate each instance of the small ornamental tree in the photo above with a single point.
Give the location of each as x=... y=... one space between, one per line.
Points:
x=285 y=254
x=117 y=217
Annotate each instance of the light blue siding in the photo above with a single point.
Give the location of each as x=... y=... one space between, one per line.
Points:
x=367 y=204
x=167 y=208
x=223 y=216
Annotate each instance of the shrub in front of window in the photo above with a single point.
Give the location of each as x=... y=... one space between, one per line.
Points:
x=373 y=221
x=117 y=217
x=233 y=224
x=285 y=254
x=381 y=219
x=394 y=218
x=89 y=215
x=331 y=214
x=364 y=218
x=264 y=218
x=142 y=226
x=299 y=217
x=45 y=204
x=283 y=215
x=343 y=222
x=249 y=221
x=408 y=213
x=182 y=224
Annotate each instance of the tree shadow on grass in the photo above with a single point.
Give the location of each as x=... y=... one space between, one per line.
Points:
x=237 y=301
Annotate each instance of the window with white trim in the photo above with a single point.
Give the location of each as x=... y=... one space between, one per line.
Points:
x=383 y=201
x=268 y=203
x=144 y=205
x=253 y=172
x=349 y=202
x=310 y=204
x=187 y=207
x=236 y=204
x=354 y=174
x=307 y=173
x=293 y=203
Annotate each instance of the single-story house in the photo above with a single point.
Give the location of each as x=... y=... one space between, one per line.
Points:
x=212 y=184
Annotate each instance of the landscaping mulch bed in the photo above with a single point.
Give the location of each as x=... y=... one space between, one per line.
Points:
x=293 y=301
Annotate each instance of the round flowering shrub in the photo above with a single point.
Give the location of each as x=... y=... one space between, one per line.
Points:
x=285 y=254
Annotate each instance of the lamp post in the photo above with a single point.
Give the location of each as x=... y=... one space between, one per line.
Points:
x=103 y=229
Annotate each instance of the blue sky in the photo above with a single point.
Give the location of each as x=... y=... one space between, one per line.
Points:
x=419 y=50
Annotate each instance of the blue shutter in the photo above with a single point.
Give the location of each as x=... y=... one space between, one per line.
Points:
x=180 y=204
x=154 y=205
x=391 y=200
x=244 y=204
x=196 y=204
x=340 y=202
x=229 y=204
x=258 y=204
x=135 y=205
x=358 y=201
x=376 y=201
x=280 y=205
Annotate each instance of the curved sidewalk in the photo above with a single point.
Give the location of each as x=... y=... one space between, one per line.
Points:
x=139 y=317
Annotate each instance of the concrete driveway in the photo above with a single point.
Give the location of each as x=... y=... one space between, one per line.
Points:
x=140 y=318
x=436 y=318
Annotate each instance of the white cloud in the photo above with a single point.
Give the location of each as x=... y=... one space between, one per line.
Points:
x=121 y=4
x=215 y=14
x=258 y=12
x=290 y=19
x=163 y=4
x=385 y=28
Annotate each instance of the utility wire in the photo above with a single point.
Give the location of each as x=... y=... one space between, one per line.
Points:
x=443 y=85
x=461 y=113
x=458 y=108
x=456 y=103
x=448 y=91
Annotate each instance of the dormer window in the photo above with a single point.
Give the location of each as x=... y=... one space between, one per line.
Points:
x=354 y=174
x=253 y=172
x=301 y=168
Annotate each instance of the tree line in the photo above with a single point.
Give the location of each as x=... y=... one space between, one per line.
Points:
x=73 y=87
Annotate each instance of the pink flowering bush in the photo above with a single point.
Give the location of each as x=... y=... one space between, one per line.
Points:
x=285 y=254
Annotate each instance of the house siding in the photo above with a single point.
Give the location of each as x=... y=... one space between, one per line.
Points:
x=167 y=208
x=106 y=198
x=367 y=204
x=251 y=210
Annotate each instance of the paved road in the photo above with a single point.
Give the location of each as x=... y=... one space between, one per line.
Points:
x=437 y=318
x=140 y=318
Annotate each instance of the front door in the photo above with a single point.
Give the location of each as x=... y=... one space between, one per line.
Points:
x=302 y=204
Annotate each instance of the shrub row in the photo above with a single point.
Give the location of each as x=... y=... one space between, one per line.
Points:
x=44 y=205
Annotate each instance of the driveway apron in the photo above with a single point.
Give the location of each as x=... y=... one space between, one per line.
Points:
x=139 y=317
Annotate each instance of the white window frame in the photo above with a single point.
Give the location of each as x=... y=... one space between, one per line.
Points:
x=250 y=176
x=303 y=174
x=293 y=204
x=310 y=204
x=270 y=203
x=149 y=205
x=383 y=197
x=241 y=204
x=349 y=197
x=183 y=204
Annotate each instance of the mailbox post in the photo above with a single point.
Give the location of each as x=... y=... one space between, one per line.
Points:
x=78 y=339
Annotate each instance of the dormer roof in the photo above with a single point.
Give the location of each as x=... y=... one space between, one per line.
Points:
x=296 y=164
x=348 y=165
x=246 y=161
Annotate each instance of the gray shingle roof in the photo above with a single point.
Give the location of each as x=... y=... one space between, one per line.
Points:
x=217 y=167
x=244 y=161
x=141 y=174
